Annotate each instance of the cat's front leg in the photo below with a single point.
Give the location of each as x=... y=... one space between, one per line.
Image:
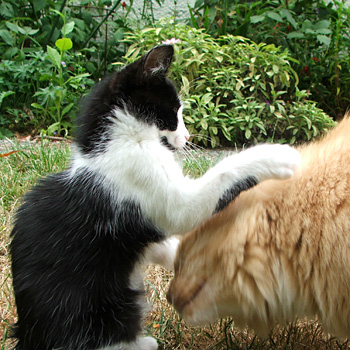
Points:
x=252 y=166
x=260 y=162
x=197 y=200
x=271 y=161
x=163 y=253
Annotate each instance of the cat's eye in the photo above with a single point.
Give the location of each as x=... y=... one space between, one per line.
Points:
x=175 y=109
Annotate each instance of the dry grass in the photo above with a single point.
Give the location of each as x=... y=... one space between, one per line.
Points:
x=7 y=309
x=19 y=171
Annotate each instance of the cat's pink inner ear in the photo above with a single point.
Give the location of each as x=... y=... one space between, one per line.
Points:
x=159 y=60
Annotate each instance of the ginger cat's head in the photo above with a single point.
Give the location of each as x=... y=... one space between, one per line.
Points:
x=217 y=272
x=195 y=290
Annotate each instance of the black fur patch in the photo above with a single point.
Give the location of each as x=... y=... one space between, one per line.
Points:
x=165 y=143
x=73 y=250
x=234 y=191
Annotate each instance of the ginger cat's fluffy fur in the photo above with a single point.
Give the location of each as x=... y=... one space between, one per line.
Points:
x=281 y=250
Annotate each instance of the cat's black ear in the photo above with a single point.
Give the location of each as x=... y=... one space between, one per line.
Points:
x=158 y=60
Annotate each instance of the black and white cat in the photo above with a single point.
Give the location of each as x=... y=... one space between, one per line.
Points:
x=81 y=236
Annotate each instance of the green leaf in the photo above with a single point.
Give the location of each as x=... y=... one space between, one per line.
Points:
x=324 y=39
x=207 y=98
x=256 y=19
x=278 y=115
x=91 y=68
x=226 y=132
x=324 y=31
x=274 y=15
x=248 y=134
x=213 y=130
x=67 y=109
x=309 y=31
x=68 y=28
x=293 y=35
x=324 y=24
x=5 y=94
x=30 y=31
x=6 y=36
x=6 y=10
x=39 y=5
x=38 y=106
x=15 y=28
x=64 y=44
x=10 y=53
x=185 y=85
x=188 y=119
x=77 y=77
x=54 y=55
x=286 y=13
x=53 y=127
x=204 y=124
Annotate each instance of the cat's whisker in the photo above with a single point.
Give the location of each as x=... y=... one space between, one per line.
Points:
x=205 y=137
x=192 y=156
x=188 y=155
x=195 y=147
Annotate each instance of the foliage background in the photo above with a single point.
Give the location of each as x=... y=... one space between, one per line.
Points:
x=248 y=71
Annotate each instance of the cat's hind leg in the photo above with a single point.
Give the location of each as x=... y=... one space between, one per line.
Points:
x=163 y=253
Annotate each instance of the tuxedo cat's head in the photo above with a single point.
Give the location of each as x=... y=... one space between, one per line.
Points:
x=141 y=98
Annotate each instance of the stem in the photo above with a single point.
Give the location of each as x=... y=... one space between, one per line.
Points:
x=56 y=21
x=225 y=18
x=100 y=24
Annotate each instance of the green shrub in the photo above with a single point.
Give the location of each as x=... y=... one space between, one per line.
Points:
x=37 y=90
x=316 y=33
x=42 y=91
x=234 y=90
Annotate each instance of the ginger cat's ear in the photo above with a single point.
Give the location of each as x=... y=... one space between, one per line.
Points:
x=158 y=61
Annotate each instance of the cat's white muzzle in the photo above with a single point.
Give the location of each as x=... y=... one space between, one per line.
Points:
x=180 y=136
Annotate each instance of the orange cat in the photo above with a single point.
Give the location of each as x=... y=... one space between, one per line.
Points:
x=281 y=250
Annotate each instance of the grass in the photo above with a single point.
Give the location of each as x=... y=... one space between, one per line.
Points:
x=20 y=170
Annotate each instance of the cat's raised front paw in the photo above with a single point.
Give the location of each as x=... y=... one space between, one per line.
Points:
x=276 y=161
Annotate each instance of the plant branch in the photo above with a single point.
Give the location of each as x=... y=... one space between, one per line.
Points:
x=56 y=21
x=100 y=24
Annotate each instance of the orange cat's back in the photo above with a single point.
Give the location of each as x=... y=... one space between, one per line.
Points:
x=280 y=251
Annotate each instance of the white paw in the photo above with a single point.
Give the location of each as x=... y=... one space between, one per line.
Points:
x=170 y=245
x=146 y=343
x=142 y=343
x=164 y=253
x=274 y=161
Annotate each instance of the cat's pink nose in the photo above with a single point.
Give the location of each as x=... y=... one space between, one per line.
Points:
x=187 y=137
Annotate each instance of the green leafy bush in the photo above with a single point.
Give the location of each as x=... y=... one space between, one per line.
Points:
x=316 y=34
x=50 y=83
x=41 y=78
x=234 y=90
